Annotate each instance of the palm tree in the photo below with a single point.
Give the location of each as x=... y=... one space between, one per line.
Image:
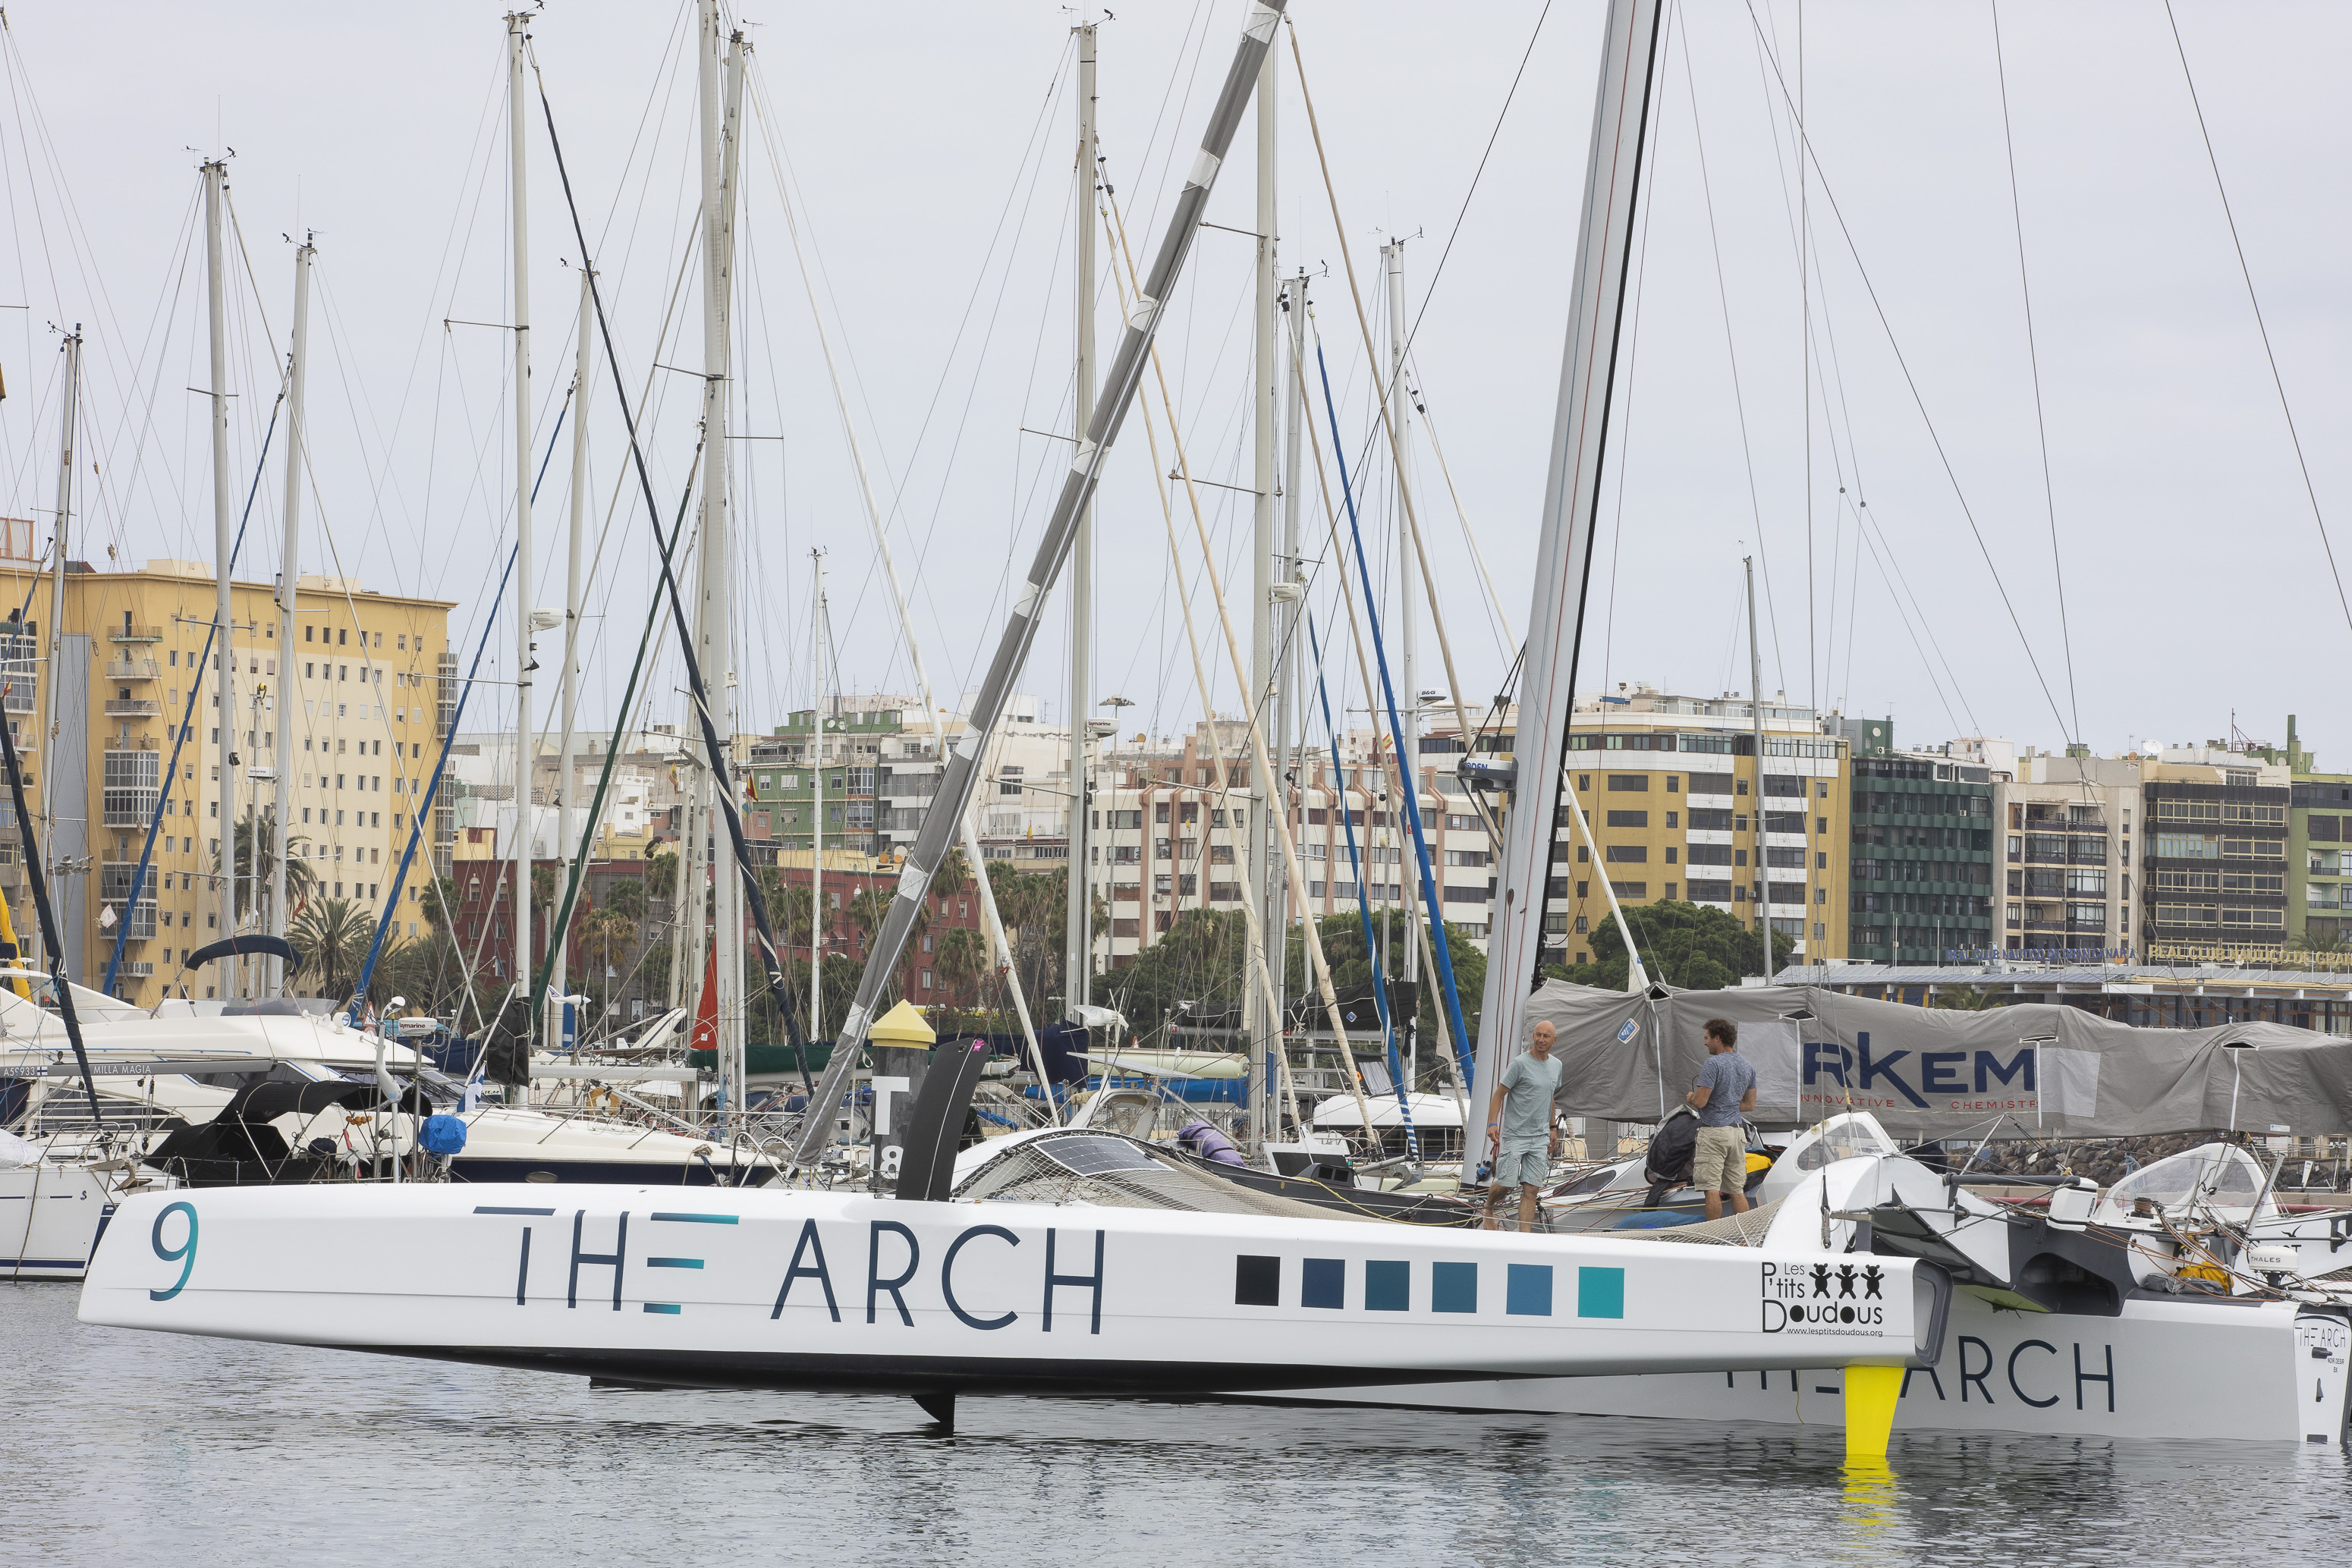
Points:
x=331 y=942
x=661 y=871
x=606 y=938
x=628 y=895
x=962 y=961
x=429 y=971
x=300 y=879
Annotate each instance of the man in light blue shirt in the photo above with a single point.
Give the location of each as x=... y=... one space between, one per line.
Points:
x=1521 y=1129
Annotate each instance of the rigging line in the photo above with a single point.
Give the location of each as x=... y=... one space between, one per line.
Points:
x=2269 y=354
x=1867 y=521
x=2034 y=361
x=1918 y=399
x=1805 y=402
x=1907 y=624
x=1731 y=352
x=1633 y=358
x=1389 y=423
x=1506 y=639
x=723 y=788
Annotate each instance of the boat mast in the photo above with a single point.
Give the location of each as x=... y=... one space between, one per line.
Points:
x=1265 y=1032
x=1078 y=958
x=298 y=366
x=223 y=541
x=1020 y=629
x=1763 y=885
x=515 y=38
x=1284 y=592
x=816 y=805
x=58 y=583
x=721 y=86
x=1564 y=550
x=1408 y=744
x=567 y=847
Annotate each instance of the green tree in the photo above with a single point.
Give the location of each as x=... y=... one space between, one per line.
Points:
x=300 y=879
x=430 y=971
x=625 y=895
x=331 y=942
x=661 y=874
x=439 y=899
x=962 y=963
x=1685 y=944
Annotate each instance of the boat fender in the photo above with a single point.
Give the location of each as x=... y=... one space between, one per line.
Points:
x=443 y=1136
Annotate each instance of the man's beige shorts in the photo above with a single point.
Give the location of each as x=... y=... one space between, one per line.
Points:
x=1721 y=1163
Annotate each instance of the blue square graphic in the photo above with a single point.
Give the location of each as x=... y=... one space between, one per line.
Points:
x=1600 y=1293
x=1526 y=1291
x=1322 y=1282
x=1388 y=1287
x=1454 y=1287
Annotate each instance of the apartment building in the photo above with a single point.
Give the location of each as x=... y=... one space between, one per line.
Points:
x=1925 y=857
x=103 y=665
x=1672 y=787
x=2067 y=823
x=2213 y=879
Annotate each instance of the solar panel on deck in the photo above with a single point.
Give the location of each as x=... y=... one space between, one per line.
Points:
x=1097 y=1157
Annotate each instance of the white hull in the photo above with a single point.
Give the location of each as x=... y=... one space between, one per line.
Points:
x=796 y=1289
x=50 y=1220
x=2175 y=1368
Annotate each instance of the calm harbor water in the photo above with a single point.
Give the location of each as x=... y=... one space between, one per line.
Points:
x=130 y=1447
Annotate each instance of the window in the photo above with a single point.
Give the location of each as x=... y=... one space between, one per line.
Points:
x=1627 y=855
x=1630 y=820
x=1630 y=889
x=1639 y=783
x=1710 y=821
x=1160 y=812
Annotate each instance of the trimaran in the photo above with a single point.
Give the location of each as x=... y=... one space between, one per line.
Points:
x=1860 y=1264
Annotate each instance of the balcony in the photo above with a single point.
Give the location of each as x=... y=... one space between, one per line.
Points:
x=127 y=632
x=132 y=707
x=133 y=670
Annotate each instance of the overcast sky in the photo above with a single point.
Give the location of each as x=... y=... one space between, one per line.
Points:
x=927 y=148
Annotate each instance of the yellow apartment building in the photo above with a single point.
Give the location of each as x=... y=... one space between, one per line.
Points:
x=101 y=666
x=1671 y=787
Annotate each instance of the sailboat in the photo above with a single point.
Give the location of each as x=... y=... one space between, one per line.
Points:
x=798 y=1288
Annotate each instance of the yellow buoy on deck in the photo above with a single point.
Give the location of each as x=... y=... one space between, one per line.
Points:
x=1869 y=1395
x=904 y=1028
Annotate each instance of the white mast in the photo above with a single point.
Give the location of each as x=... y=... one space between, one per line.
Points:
x=1408 y=744
x=1269 y=885
x=1563 y=559
x=719 y=94
x=584 y=366
x=816 y=805
x=515 y=38
x=298 y=366
x=1763 y=884
x=1077 y=958
x=223 y=542
x=58 y=591
x=1288 y=654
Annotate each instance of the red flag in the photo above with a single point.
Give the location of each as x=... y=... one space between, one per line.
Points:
x=706 y=1011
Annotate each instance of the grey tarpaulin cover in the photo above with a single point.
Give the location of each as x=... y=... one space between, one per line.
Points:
x=2036 y=1069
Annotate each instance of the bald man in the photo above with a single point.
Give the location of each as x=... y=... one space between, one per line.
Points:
x=1522 y=1133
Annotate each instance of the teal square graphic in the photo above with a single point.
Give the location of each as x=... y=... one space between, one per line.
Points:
x=1526 y=1291
x=1454 y=1287
x=1600 y=1293
x=1387 y=1286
